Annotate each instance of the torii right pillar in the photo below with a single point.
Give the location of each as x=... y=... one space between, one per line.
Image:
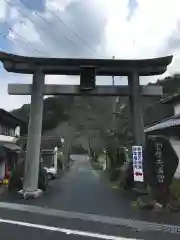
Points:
x=137 y=119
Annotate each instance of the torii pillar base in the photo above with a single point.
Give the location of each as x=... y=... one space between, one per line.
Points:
x=31 y=195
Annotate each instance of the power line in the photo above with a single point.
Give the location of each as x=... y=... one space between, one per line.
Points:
x=26 y=41
x=23 y=14
x=11 y=39
x=14 y=41
x=64 y=24
x=47 y=22
x=70 y=29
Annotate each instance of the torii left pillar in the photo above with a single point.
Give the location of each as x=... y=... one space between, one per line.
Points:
x=30 y=184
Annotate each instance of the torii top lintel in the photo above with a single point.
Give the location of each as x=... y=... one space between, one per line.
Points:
x=72 y=66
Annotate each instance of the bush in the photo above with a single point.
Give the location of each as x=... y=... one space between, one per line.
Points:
x=16 y=179
x=175 y=187
x=60 y=162
x=114 y=174
x=116 y=156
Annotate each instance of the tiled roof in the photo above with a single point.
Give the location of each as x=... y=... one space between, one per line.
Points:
x=166 y=123
x=10 y=145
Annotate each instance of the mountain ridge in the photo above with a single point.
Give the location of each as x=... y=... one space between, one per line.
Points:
x=82 y=118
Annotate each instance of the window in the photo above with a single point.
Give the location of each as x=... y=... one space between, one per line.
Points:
x=4 y=130
x=11 y=132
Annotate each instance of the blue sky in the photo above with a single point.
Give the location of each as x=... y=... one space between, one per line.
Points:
x=132 y=5
x=94 y=28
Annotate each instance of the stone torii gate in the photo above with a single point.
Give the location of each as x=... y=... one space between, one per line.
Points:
x=88 y=69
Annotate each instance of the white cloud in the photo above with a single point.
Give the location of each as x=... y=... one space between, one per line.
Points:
x=14 y=14
x=66 y=80
x=3 y=8
x=26 y=29
x=57 y=4
x=146 y=34
x=9 y=102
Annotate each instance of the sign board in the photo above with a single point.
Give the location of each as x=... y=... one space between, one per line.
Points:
x=137 y=154
x=161 y=161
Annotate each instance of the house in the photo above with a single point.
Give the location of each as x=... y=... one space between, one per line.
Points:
x=169 y=127
x=10 y=130
x=48 y=145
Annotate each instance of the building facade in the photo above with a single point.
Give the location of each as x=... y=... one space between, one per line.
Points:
x=10 y=131
x=48 y=146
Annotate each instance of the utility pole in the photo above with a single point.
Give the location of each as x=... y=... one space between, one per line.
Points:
x=113 y=76
x=114 y=104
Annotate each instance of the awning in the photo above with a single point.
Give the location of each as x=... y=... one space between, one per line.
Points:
x=166 y=123
x=11 y=146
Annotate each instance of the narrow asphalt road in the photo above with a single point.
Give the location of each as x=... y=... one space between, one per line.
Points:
x=82 y=189
x=80 y=205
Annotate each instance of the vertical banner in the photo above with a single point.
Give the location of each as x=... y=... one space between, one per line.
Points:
x=137 y=155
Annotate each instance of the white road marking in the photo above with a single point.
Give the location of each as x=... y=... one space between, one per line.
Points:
x=64 y=230
x=123 y=222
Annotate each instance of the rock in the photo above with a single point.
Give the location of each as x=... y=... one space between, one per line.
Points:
x=126 y=176
x=174 y=203
x=160 y=163
x=172 y=207
x=145 y=202
x=158 y=206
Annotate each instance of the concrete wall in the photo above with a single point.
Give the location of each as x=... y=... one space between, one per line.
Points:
x=7 y=138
